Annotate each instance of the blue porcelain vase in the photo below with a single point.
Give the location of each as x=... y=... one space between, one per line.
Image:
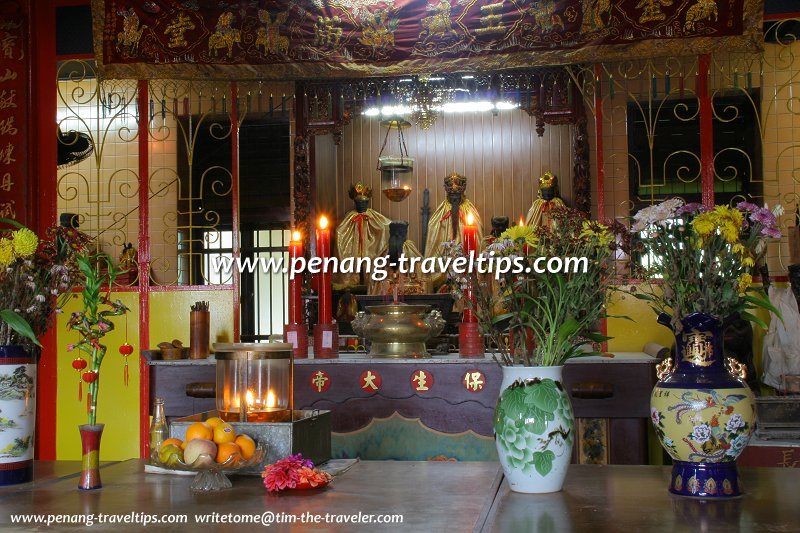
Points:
x=702 y=411
x=17 y=414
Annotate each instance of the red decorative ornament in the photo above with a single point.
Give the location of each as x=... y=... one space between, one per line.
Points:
x=79 y=364
x=90 y=376
x=126 y=349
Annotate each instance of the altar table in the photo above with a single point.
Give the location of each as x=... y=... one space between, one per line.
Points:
x=431 y=496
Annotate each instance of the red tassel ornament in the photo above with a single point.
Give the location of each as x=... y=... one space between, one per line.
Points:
x=126 y=349
x=90 y=376
x=79 y=364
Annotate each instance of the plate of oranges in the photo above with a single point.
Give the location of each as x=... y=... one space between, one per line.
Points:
x=211 y=446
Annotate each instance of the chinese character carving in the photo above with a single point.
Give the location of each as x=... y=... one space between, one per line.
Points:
x=422 y=381
x=370 y=381
x=6 y=182
x=7 y=127
x=177 y=29
x=7 y=98
x=788 y=459
x=7 y=210
x=6 y=154
x=474 y=381
x=699 y=348
x=321 y=381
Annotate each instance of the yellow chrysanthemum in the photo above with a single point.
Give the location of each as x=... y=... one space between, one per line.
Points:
x=517 y=233
x=738 y=248
x=748 y=262
x=704 y=224
x=24 y=242
x=6 y=253
x=745 y=280
x=597 y=232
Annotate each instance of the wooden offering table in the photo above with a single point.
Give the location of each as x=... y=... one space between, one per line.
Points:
x=430 y=496
x=441 y=407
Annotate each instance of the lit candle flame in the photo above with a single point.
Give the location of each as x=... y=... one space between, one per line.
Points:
x=470 y=219
x=296 y=236
x=249 y=398
x=406 y=188
x=323 y=222
x=521 y=221
x=271 y=399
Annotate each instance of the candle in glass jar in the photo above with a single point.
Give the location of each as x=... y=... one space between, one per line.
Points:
x=324 y=277
x=295 y=283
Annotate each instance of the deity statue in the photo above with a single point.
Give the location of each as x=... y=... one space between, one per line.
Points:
x=446 y=223
x=363 y=231
x=548 y=200
x=410 y=283
x=499 y=225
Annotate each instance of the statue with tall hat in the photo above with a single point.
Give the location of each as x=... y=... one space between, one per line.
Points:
x=447 y=222
x=363 y=232
x=546 y=201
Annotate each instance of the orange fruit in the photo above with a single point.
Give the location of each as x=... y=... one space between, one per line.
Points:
x=214 y=421
x=224 y=433
x=176 y=442
x=199 y=430
x=226 y=450
x=247 y=445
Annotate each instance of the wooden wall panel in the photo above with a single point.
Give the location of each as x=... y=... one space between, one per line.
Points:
x=501 y=155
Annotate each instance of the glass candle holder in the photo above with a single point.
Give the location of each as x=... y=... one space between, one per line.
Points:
x=254 y=382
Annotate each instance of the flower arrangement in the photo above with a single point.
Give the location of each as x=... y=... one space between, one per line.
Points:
x=293 y=472
x=93 y=322
x=547 y=317
x=36 y=277
x=705 y=257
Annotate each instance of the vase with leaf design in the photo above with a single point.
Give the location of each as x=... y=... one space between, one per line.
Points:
x=534 y=428
x=702 y=411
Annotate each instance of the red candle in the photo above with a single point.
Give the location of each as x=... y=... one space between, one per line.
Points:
x=324 y=278
x=295 y=284
x=470 y=243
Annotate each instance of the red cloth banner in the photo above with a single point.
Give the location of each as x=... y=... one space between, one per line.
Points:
x=294 y=39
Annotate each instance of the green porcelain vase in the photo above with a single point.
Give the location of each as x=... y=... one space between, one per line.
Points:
x=534 y=428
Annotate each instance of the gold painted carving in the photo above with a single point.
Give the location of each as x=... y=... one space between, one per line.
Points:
x=736 y=369
x=128 y=38
x=545 y=17
x=652 y=10
x=438 y=24
x=268 y=35
x=177 y=29
x=664 y=368
x=702 y=10
x=699 y=348
x=225 y=36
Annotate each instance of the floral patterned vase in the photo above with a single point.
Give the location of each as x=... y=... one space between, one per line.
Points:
x=534 y=428
x=90 y=456
x=17 y=414
x=702 y=411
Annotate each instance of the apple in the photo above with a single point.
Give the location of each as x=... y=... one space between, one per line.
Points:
x=200 y=453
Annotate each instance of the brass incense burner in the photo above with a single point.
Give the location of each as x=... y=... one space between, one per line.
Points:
x=398 y=330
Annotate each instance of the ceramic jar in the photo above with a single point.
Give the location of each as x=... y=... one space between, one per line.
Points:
x=702 y=411
x=534 y=428
x=17 y=414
